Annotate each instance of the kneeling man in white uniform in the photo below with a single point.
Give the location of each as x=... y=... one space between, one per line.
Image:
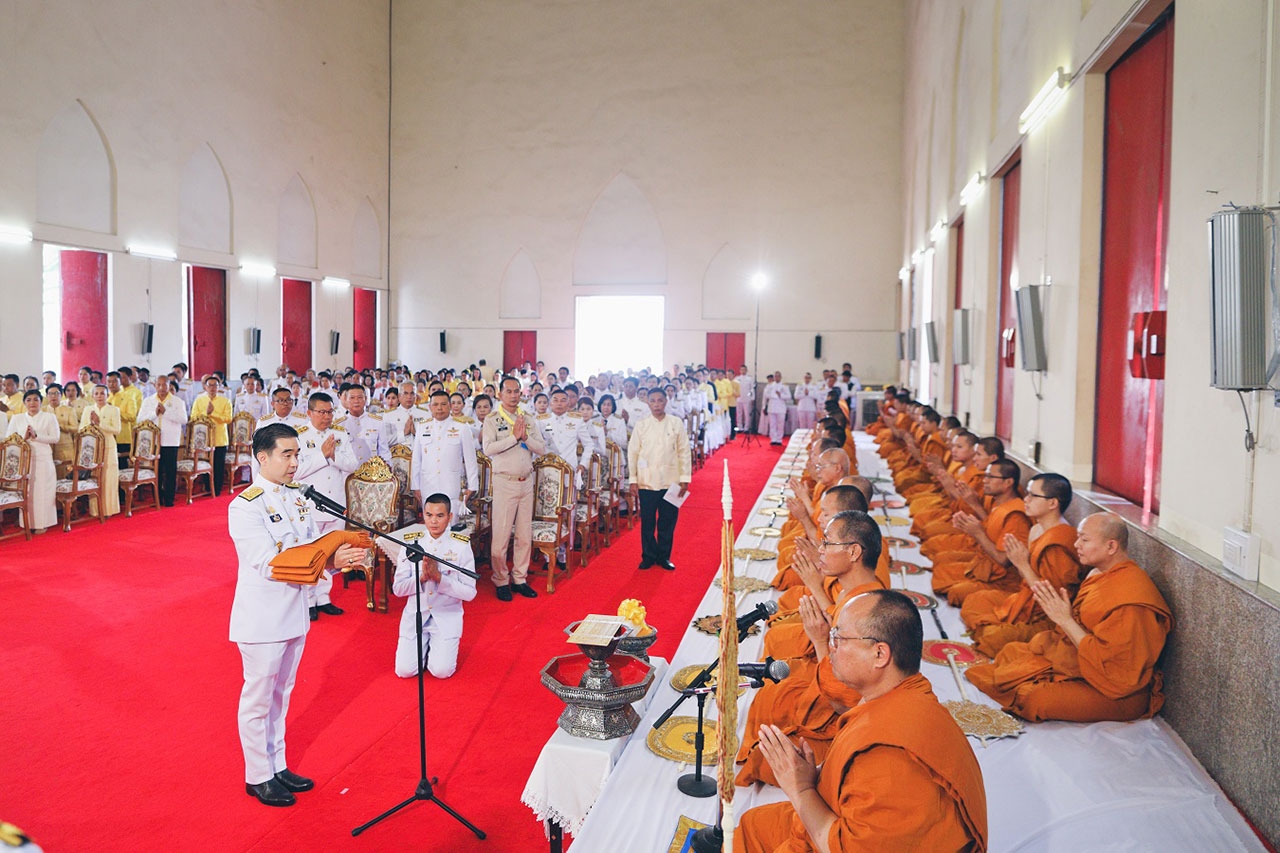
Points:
x=443 y=591
x=269 y=619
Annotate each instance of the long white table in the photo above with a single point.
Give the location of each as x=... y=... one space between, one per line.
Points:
x=1058 y=786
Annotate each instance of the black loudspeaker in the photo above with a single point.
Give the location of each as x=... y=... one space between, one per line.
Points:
x=442 y=334
x=333 y=341
x=148 y=332
x=254 y=341
x=817 y=346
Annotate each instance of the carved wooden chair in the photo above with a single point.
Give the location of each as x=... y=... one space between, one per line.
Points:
x=611 y=493
x=15 y=482
x=373 y=498
x=553 y=512
x=480 y=521
x=408 y=511
x=195 y=458
x=143 y=471
x=240 y=450
x=586 y=511
x=85 y=480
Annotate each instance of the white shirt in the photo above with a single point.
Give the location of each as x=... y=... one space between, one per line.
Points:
x=776 y=398
x=329 y=476
x=563 y=434
x=264 y=520
x=442 y=599
x=808 y=395
x=637 y=409
x=442 y=452
x=393 y=423
x=171 y=422
x=658 y=456
x=746 y=387
x=368 y=436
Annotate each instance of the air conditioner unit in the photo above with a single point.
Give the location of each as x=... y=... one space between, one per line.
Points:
x=960 y=337
x=1031 y=343
x=931 y=340
x=1238 y=262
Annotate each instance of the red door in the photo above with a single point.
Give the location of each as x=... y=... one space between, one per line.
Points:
x=1012 y=192
x=84 y=312
x=726 y=350
x=957 y=234
x=364 y=303
x=207 y=320
x=1127 y=431
x=295 y=327
x=517 y=348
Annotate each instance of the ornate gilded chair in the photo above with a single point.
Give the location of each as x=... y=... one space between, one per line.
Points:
x=586 y=512
x=144 y=456
x=373 y=498
x=195 y=459
x=615 y=493
x=85 y=480
x=15 y=482
x=240 y=450
x=553 y=512
x=480 y=521
x=402 y=468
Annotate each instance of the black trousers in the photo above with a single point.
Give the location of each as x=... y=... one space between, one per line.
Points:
x=733 y=422
x=167 y=474
x=657 y=526
x=219 y=468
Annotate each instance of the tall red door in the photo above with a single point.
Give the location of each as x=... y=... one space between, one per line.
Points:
x=1127 y=431
x=519 y=347
x=364 y=303
x=295 y=327
x=207 y=320
x=84 y=312
x=726 y=350
x=957 y=234
x=1011 y=187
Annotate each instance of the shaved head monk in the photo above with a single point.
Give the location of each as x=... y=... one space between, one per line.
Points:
x=837 y=499
x=900 y=775
x=828 y=466
x=989 y=568
x=942 y=544
x=1098 y=662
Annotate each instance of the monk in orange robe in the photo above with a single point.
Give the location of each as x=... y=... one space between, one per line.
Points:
x=995 y=618
x=1099 y=660
x=899 y=775
x=941 y=542
x=931 y=513
x=884 y=411
x=809 y=702
x=989 y=568
x=913 y=476
x=839 y=498
x=828 y=468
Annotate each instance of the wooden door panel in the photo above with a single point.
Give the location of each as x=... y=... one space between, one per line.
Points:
x=84 y=312
x=207 y=320
x=364 y=305
x=295 y=330
x=1009 y=212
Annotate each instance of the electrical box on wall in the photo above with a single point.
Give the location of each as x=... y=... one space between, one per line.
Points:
x=1239 y=263
x=1031 y=340
x=1241 y=553
x=960 y=336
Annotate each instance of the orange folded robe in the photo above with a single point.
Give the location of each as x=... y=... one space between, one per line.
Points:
x=303 y=564
x=900 y=775
x=1111 y=676
x=958 y=579
x=998 y=618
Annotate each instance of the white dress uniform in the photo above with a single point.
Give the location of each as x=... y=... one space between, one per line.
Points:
x=393 y=424
x=808 y=395
x=746 y=399
x=43 y=474
x=329 y=476
x=563 y=433
x=368 y=436
x=777 y=396
x=293 y=419
x=269 y=620
x=255 y=404
x=441 y=607
x=637 y=409
x=443 y=453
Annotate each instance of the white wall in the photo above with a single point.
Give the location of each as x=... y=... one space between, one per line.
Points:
x=274 y=89
x=771 y=127
x=972 y=67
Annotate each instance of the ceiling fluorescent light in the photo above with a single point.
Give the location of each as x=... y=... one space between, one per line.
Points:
x=904 y=274
x=1045 y=101
x=336 y=282
x=972 y=190
x=916 y=257
x=154 y=252
x=938 y=231
x=15 y=235
x=257 y=269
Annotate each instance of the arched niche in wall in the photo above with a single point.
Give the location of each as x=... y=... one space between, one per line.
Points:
x=204 y=204
x=520 y=295
x=76 y=176
x=726 y=286
x=296 y=226
x=366 y=242
x=621 y=240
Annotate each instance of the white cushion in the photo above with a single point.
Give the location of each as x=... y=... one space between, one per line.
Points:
x=8 y=497
x=544 y=531
x=64 y=486
x=186 y=465
x=128 y=474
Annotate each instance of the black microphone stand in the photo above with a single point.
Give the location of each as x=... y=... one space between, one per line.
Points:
x=416 y=554
x=699 y=681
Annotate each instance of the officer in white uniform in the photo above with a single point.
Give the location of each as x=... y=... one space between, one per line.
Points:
x=269 y=618
x=444 y=450
x=325 y=458
x=397 y=419
x=776 y=399
x=252 y=400
x=808 y=396
x=632 y=407
x=563 y=431
x=443 y=591
x=281 y=413
x=368 y=431
x=746 y=398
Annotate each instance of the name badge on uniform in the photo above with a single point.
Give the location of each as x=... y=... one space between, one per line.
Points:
x=275 y=517
x=311 y=445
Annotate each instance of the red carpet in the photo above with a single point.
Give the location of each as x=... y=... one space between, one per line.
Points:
x=121 y=689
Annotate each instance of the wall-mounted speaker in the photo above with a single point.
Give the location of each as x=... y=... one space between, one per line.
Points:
x=913 y=340
x=148 y=332
x=1240 y=268
x=960 y=336
x=931 y=341
x=817 y=346
x=442 y=340
x=253 y=340
x=333 y=341
x=1031 y=342
x=902 y=346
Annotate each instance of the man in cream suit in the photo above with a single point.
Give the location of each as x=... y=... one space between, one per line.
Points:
x=658 y=457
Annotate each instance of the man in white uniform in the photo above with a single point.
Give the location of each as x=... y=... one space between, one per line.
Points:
x=776 y=398
x=325 y=458
x=746 y=398
x=443 y=451
x=252 y=400
x=368 y=432
x=632 y=408
x=443 y=591
x=400 y=419
x=170 y=412
x=269 y=618
x=563 y=431
x=808 y=397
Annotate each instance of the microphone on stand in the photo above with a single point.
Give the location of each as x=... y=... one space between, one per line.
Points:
x=774 y=670
x=321 y=500
x=761 y=611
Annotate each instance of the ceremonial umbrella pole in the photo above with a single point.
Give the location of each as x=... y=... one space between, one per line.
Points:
x=720 y=836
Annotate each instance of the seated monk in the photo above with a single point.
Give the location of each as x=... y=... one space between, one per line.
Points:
x=828 y=467
x=809 y=702
x=931 y=514
x=942 y=543
x=884 y=411
x=913 y=476
x=989 y=568
x=1098 y=662
x=890 y=438
x=997 y=618
x=794 y=585
x=899 y=775
x=839 y=498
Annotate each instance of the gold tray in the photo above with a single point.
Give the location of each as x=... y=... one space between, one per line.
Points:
x=686 y=674
x=891 y=520
x=710 y=624
x=673 y=740
x=898 y=542
x=745 y=585
x=775 y=511
x=766 y=532
x=754 y=554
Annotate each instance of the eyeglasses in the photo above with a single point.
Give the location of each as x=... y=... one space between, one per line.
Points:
x=1034 y=495
x=828 y=544
x=323 y=411
x=996 y=477
x=834 y=639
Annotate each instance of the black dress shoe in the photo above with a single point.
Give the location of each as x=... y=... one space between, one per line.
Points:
x=356 y=574
x=293 y=782
x=271 y=793
x=668 y=565
x=330 y=609
x=525 y=590
x=314 y=615
x=645 y=564
x=504 y=592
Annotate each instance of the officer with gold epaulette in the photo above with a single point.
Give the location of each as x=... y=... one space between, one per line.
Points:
x=444 y=451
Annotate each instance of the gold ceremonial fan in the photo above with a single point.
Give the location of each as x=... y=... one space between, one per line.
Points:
x=744 y=584
x=898 y=542
x=891 y=520
x=767 y=532
x=686 y=674
x=935 y=651
x=909 y=568
x=775 y=511
x=711 y=625
x=753 y=554
x=673 y=740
